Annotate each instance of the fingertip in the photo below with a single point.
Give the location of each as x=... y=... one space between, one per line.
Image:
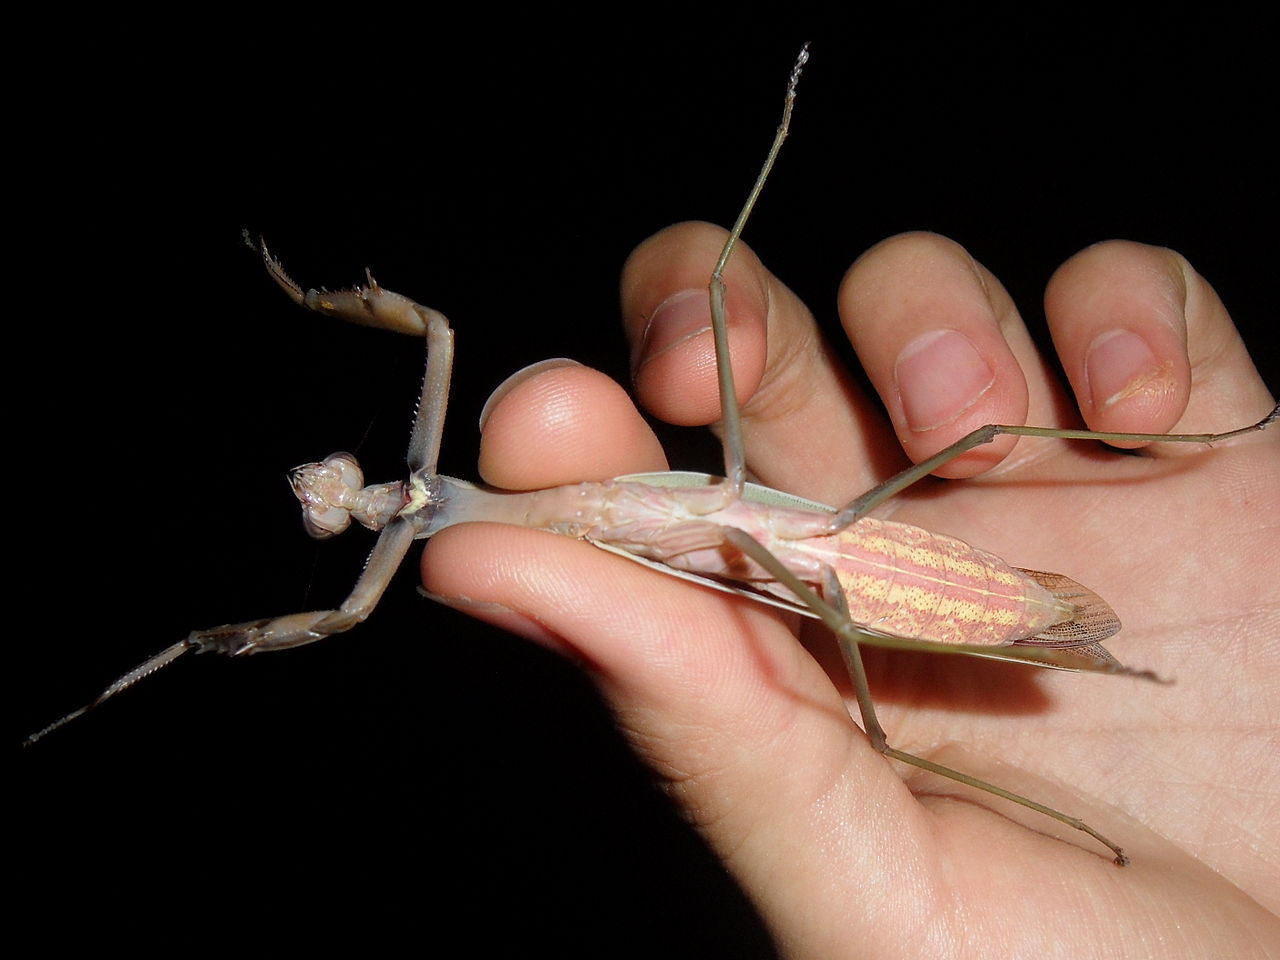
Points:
x=1118 y=315
x=667 y=317
x=522 y=375
x=928 y=324
x=803 y=423
x=1129 y=384
x=939 y=375
x=557 y=423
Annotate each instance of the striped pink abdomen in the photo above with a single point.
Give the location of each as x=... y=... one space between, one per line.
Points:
x=908 y=582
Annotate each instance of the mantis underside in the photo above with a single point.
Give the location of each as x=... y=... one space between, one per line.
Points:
x=819 y=561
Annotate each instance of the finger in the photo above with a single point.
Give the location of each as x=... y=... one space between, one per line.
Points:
x=805 y=427
x=943 y=345
x=559 y=422
x=1148 y=346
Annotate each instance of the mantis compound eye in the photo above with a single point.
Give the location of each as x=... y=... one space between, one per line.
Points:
x=325 y=522
x=327 y=491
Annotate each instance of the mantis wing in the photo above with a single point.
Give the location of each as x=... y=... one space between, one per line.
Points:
x=1071 y=645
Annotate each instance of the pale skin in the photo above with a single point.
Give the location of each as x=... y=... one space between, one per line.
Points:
x=845 y=853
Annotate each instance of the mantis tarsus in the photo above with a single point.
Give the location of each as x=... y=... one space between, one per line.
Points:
x=734 y=467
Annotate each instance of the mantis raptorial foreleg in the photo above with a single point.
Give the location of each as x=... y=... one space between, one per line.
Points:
x=388 y=508
x=374 y=306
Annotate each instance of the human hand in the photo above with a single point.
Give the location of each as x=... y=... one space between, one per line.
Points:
x=748 y=727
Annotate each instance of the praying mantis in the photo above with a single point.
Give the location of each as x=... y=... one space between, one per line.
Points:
x=910 y=589
x=325 y=274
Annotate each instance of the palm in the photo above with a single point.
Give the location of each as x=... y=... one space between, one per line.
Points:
x=750 y=732
x=1129 y=528
x=1193 y=595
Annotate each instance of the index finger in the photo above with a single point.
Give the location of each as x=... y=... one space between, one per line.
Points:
x=807 y=428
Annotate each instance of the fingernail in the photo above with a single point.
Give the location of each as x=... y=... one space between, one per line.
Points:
x=519 y=377
x=1119 y=364
x=940 y=375
x=679 y=317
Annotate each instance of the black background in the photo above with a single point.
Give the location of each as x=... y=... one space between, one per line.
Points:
x=424 y=777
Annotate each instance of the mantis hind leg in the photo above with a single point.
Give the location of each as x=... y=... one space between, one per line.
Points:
x=832 y=611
